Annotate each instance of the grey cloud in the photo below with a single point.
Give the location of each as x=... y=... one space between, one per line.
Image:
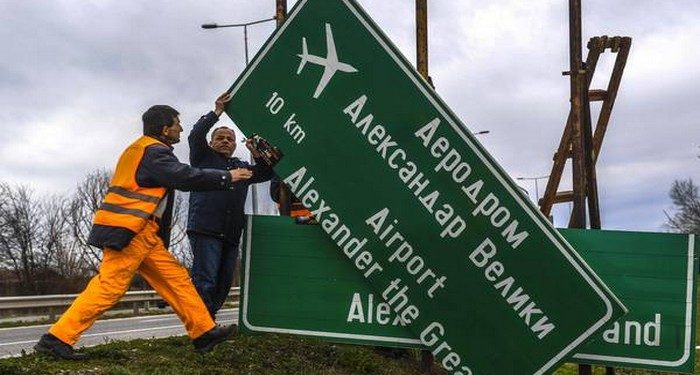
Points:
x=82 y=73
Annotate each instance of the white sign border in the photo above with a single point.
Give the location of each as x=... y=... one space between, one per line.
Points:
x=689 y=298
x=574 y=258
x=690 y=278
x=252 y=327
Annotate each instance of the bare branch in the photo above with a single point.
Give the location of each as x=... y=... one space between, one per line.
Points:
x=686 y=213
x=179 y=246
x=87 y=198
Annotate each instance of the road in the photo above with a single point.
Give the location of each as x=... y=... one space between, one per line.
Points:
x=15 y=340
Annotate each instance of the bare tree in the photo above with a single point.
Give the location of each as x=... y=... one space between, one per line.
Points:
x=179 y=246
x=67 y=260
x=685 y=217
x=36 y=242
x=20 y=220
x=44 y=240
x=86 y=200
x=52 y=231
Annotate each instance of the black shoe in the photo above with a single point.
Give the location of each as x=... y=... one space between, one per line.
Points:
x=211 y=338
x=51 y=345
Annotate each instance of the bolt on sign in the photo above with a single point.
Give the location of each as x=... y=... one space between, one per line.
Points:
x=295 y=282
x=412 y=199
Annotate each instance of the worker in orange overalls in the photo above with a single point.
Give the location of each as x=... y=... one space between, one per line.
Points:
x=132 y=226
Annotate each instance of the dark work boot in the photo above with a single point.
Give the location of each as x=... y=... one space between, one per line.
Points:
x=206 y=342
x=51 y=345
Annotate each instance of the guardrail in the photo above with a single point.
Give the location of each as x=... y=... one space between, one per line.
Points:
x=56 y=303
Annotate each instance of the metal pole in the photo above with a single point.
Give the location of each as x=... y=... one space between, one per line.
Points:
x=254 y=190
x=280 y=15
x=253 y=187
x=245 y=40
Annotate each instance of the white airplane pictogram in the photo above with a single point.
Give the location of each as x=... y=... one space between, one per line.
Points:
x=330 y=63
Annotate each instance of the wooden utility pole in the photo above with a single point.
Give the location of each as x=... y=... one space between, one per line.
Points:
x=427 y=358
x=576 y=74
x=281 y=12
x=584 y=177
x=579 y=143
x=422 y=38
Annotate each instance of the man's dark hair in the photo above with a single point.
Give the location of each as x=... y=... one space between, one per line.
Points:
x=156 y=117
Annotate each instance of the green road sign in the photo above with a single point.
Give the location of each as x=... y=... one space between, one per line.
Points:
x=295 y=282
x=413 y=201
x=654 y=275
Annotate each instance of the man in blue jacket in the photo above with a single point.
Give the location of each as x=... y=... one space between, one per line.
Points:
x=216 y=219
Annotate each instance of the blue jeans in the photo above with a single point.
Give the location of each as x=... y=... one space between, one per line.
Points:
x=212 y=269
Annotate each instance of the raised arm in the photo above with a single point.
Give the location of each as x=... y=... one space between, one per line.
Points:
x=198 y=136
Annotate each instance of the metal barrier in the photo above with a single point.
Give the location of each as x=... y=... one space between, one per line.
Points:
x=53 y=302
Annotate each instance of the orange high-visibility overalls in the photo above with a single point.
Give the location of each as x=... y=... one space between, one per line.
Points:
x=130 y=206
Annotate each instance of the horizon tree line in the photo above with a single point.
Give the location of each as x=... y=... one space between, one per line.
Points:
x=43 y=239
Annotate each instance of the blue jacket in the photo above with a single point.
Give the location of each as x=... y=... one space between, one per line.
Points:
x=219 y=213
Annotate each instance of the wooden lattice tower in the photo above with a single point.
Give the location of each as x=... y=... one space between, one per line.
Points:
x=596 y=46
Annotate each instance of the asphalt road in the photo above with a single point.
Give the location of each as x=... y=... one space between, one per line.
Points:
x=14 y=341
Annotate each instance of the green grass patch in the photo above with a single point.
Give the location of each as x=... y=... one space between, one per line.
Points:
x=264 y=354
x=250 y=355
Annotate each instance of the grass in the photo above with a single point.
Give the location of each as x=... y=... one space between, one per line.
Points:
x=265 y=354
x=570 y=369
x=250 y=355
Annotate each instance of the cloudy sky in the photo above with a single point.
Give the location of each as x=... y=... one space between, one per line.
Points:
x=75 y=77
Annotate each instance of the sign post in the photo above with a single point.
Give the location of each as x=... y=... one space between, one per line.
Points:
x=413 y=201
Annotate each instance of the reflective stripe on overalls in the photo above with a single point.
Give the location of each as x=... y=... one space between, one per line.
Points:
x=128 y=205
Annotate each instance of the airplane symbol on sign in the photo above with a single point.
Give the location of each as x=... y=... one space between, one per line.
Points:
x=330 y=63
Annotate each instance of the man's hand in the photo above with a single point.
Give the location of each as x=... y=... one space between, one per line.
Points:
x=220 y=103
x=240 y=174
x=253 y=150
